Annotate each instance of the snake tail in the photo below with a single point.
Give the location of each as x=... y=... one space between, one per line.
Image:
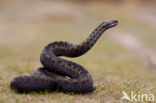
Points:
x=58 y=73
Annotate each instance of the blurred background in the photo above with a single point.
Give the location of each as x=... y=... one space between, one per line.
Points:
x=124 y=58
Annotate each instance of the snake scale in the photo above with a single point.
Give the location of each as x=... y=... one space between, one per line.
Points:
x=58 y=73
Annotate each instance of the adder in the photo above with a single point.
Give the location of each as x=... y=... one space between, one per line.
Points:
x=58 y=73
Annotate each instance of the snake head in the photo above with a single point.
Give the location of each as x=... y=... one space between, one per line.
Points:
x=108 y=24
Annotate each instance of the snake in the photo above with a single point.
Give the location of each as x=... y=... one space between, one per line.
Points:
x=60 y=74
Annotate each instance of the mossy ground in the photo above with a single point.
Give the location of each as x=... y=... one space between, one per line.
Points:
x=113 y=68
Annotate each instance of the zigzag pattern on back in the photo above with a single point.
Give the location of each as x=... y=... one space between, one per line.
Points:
x=58 y=73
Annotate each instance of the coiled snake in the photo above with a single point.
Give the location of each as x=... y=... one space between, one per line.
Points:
x=58 y=73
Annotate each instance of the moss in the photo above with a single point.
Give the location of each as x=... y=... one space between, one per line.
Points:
x=114 y=69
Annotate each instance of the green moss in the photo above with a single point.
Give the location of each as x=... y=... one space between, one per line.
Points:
x=114 y=69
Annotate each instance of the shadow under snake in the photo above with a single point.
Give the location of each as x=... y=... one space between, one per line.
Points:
x=58 y=73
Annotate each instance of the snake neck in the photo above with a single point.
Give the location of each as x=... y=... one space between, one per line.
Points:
x=70 y=50
x=86 y=45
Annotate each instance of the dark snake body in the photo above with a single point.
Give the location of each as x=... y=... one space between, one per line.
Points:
x=59 y=73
